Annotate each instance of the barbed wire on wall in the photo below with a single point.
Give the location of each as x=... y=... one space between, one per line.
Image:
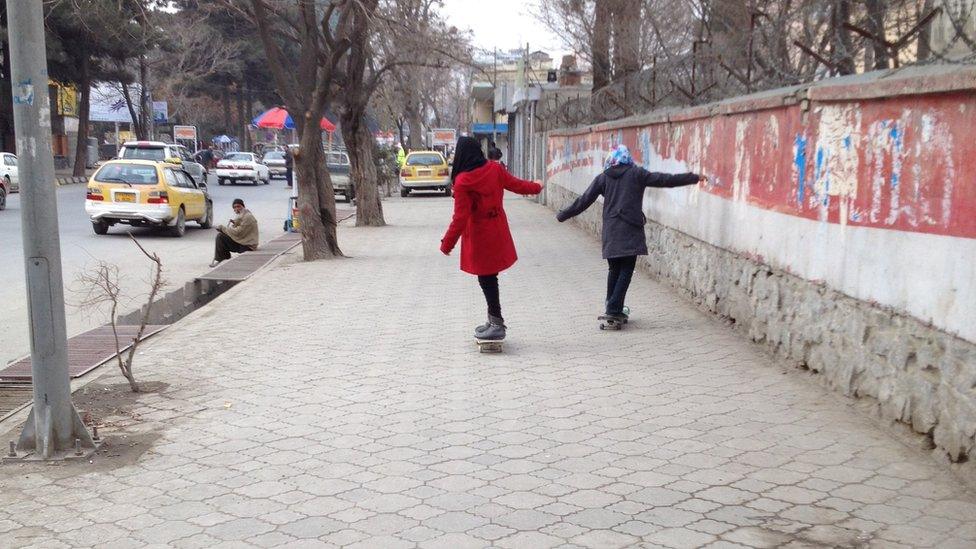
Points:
x=944 y=34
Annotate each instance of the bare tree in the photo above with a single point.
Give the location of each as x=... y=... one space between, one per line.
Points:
x=102 y=288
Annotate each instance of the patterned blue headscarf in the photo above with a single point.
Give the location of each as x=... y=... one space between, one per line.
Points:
x=620 y=155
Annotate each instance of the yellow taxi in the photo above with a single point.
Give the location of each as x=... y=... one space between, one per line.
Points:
x=425 y=171
x=147 y=193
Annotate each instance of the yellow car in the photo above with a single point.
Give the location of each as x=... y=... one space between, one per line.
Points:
x=146 y=193
x=425 y=171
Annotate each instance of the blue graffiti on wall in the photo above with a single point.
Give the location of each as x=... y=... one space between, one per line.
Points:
x=800 y=161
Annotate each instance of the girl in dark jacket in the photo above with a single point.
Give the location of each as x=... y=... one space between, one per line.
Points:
x=479 y=221
x=622 y=186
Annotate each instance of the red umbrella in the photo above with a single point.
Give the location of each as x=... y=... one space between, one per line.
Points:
x=279 y=119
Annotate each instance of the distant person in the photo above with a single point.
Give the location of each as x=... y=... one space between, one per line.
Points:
x=622 y=186
x=239 y=235
x=495 y=155
x=401 y=157
x=207 y=157
x=289 y=165
x=480 y=223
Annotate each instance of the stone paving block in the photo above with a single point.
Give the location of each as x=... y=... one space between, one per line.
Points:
x=389 y=429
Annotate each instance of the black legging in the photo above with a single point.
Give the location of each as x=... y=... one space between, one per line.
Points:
x=618 y=281
x=489 y=285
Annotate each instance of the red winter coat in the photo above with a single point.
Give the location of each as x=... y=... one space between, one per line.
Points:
x=479 y=219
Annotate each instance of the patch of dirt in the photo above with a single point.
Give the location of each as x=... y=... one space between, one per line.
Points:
x=125 y=436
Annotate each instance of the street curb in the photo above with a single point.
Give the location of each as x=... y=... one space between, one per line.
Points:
x=71 y=180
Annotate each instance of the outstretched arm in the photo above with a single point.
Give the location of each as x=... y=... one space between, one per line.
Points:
x=520 y=186
x=462 y=211
x=665 y=180
x=584 y=201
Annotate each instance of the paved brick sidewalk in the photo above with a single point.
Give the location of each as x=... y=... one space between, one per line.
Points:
x=344 y=403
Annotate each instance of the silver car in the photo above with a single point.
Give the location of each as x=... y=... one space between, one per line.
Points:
x=275 y=161
x=338 y=164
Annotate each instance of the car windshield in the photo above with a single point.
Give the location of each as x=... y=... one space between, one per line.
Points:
x=238 y=157
x=134 y=174
x=144 y=153
x=337 y=159
x=274 y=155
x=431 y=159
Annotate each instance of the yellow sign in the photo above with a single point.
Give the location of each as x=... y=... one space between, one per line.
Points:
x=67 y=100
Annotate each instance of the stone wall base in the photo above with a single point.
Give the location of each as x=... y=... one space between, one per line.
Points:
x=914 y=373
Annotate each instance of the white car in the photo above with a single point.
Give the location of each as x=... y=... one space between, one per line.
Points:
x=8 y=172
x=241 y=166
x=159 y=151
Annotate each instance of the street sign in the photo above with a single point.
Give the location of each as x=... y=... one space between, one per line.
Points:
x=188 y=133
x=443 y=136
x=160 y=112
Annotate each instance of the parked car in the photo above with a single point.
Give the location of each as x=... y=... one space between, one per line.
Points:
x=8 y=172
x=275 y=161
x=159 y=151
x=145 y=193
x=425 y=171
x=242 y=166
x=338 y=165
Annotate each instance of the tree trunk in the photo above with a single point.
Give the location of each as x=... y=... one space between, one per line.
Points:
x=362 y=172
x=225 y=99
x=600 y=44
x=843 y=48
x=626 y=18
x=877 y=12
x=316 y=196
x=416 y=125
x=84 y=106
x=241 y=131
x=925 y=35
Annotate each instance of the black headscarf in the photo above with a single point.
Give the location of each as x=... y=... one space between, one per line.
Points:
x=467 y=156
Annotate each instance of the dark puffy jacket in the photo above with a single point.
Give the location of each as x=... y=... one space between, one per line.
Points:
x=622 y=188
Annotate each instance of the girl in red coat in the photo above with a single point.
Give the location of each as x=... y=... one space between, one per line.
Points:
x=479 y=221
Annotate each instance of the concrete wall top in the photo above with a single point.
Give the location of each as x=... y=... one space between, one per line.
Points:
x=916 y=80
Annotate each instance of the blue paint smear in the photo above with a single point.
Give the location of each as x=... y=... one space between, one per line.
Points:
x=821 y=158
x=847 y=142
x=800 y=161
x=897 y=138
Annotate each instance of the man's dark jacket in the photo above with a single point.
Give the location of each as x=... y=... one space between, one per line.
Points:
x=622 y=187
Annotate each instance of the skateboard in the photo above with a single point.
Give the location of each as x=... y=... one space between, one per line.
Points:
x=489 y=345
x=611 y=322
x=614 y=323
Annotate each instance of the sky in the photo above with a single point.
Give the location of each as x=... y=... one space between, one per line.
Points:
x=505 y=24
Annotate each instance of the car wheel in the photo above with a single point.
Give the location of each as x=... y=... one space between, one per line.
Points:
x=221 y=181
x=447 y=190
x=404 y=192
x=100 y=227
x=207 y=220
x=3 y=197
x=179 y=229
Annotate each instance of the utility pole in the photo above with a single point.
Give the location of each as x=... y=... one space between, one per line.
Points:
x=494 y=89
x=53 y=428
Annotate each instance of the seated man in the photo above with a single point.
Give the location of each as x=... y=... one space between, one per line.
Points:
x=240 y=235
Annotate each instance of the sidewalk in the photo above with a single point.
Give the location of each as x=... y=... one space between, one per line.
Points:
x=344 y=403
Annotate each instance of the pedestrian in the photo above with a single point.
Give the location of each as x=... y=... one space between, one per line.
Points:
x=289 y=165
x=401 y=157
x=622 y=186
x=480 y=223
x=239 y=235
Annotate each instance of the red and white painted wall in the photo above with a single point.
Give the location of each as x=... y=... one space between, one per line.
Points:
x=866 y=184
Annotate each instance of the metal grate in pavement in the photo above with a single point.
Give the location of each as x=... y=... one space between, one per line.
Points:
x=86 y=351
x=242 y=266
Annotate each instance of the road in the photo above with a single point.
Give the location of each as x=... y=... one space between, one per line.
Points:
x=183 y=258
